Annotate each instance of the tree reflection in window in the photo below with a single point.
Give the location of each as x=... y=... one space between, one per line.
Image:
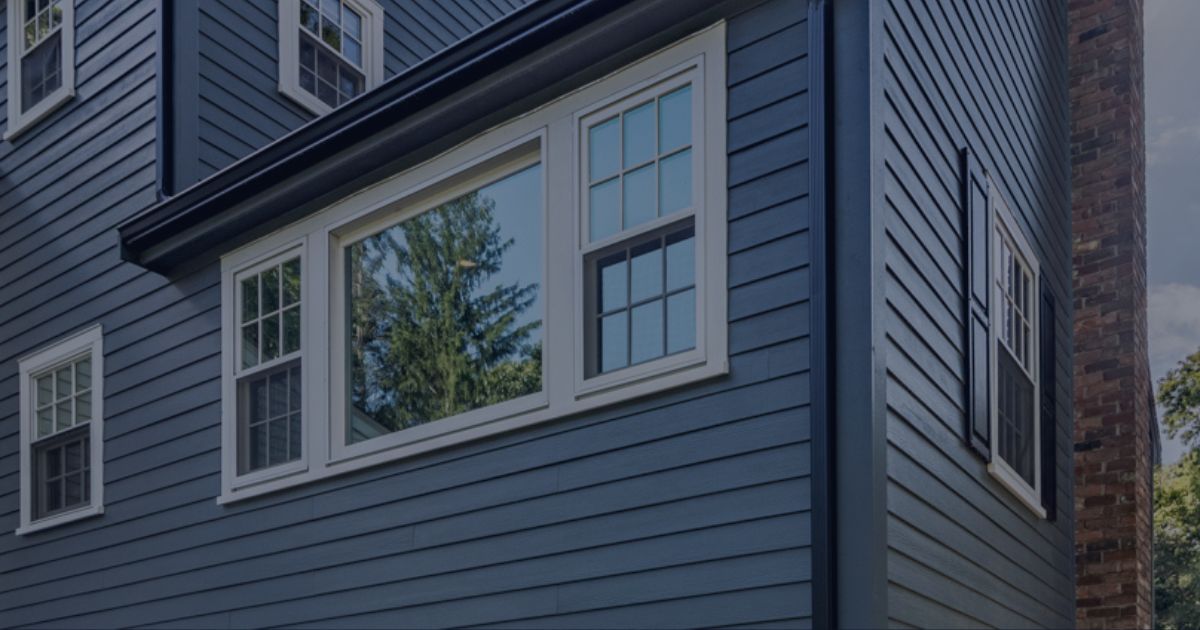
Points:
x=444 y=309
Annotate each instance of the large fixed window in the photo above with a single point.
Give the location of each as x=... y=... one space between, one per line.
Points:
x=568 y=259
x=330 y=51
x=41 y=59
x=1016 y=432
x=61 y=393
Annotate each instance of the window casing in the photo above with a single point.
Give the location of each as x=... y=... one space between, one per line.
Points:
x=371 y=242
x=61 y=398
x=330 y=51
x=1015 y=407
x=41 y=60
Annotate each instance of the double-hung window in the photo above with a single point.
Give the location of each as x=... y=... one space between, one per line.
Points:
x=61 y=398
x=568 y=259
x=330 y=51
x=41 y=59
x=1016 y=432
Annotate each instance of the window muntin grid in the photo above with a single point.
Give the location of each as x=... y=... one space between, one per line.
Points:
x=269 y=385
x=40 y=19
x=63 y=397
x=1014 y=283
x=331 y=51
x=640 y=164
x=269 y=314
x=644 y=300
x=63 y=472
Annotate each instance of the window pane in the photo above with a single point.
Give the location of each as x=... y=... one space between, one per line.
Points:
x=646 y=273
x=294 y=389
x=331 y=34
x=639 y=202
x=614 y=341
x=353 y=52
x=45 y=390
x=603 y=160
x=45 y=421
x=83 y=407
x=681 y=260
x=250 y=298
x=604 y=209
x=647 y=332
x=681 y=321
x=295 y=435
x=250 y=345
x=309 y=18
x=675 y=183
x=1014 y=406
x=614 y=283
x=74 y=490
x=352 y=22
x=54 y=495
x=277 y=395
x=73 y=459
x=270 y=337
x=62 y=382
x=639 y=135
x=445 y=309
x=277 y=441
x=257 y=403
x=63 y=419
x=291 y=282
x=332 y=9
x=270 y=290
x=291 y=330
x=258 y=446
x=83 y=374
x=675 y=120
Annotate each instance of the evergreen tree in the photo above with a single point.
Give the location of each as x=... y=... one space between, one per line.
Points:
x=429 y=338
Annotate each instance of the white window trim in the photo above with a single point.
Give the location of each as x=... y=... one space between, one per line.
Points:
x=88 y=341
x=1006 y=222
x=289 y=51
x=551 y=130
x=18 y=121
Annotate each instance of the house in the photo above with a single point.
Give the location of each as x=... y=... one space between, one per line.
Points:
x=576 y=313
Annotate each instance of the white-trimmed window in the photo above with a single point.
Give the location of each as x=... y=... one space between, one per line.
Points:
x=477 y=292
x=330 y=51
x=41 y=59
x=62 y=420
x=1015 y=408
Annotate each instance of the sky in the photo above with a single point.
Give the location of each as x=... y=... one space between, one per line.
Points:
x=1173 y=185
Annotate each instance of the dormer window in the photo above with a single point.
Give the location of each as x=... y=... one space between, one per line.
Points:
x=41 y=59
x=330 y=51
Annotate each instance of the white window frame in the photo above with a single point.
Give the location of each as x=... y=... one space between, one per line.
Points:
x=548 y=135
x=19 y=121
x=289 y=51
x=1007 y=229
x=87 y=342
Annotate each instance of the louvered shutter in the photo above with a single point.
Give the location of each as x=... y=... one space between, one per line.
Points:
x=1049 y=382
x=978 y=256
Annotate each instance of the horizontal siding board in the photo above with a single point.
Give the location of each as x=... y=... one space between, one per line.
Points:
x=693 y=504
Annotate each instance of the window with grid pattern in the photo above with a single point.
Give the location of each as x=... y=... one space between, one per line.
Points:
x=41 y=73
x=330 y=50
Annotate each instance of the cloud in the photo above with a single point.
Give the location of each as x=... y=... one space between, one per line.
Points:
x=1174 y=325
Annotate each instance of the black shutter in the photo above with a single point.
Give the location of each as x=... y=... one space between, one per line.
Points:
x=978 y=257
x=1049 y=384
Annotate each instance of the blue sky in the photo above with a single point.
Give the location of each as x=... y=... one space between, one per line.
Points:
x=1173 y=184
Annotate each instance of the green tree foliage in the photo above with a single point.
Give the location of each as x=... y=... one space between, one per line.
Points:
x=1177 y=503
x=1177 y=543
x=431 y=334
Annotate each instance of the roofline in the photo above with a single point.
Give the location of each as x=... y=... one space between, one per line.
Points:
x=499 y=44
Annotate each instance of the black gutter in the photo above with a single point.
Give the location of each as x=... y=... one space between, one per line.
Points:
x=823 y=327
x=395 y=122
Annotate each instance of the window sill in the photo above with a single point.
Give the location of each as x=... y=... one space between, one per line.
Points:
x=19 y=123
x=1011 y=481
x=60 y=519
x=481 y=427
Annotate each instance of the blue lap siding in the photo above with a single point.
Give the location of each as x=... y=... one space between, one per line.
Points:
x=687 y=508
x=962 y=551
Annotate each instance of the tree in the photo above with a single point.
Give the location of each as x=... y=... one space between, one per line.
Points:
x=431 y=334
x=1177 y=503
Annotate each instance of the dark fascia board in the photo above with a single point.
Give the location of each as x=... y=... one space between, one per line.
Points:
x=524 y=59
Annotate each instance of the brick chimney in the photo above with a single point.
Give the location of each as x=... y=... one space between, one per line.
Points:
x=1113 y=399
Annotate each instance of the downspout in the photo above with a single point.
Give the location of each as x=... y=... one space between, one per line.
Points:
x=164 y=102
x=823 y=329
